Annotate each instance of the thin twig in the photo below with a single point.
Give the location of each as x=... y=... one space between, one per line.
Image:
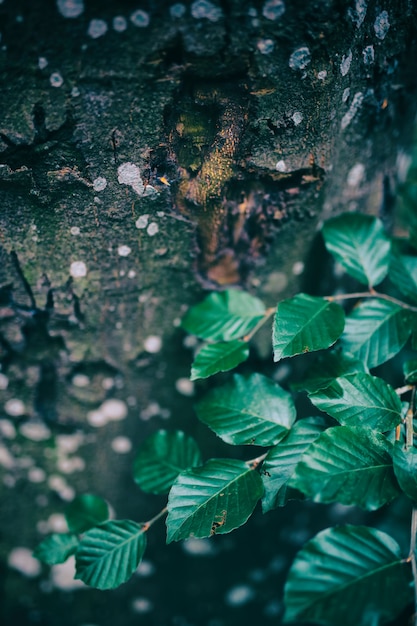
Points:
x=148 y=524
x=401 y=390
x=261 y=322
x=370 y=294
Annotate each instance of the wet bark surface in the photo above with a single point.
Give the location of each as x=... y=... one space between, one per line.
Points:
x=149 y=153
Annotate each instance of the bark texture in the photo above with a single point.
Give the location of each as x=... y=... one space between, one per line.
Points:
x=149 y=152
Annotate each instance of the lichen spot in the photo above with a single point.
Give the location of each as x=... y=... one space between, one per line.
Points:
x=322 y=75
x=280 y=166
x=15 y=407
x=205 y=9
x=177 y=10
x=99 y=183
x=140 y=18
x=121 y=445
x=42 y=63
x=129 y=174
x=153 y=344
x=56 y=79
x=297 y=118
x=119 y=23
x=273 y=9
x=345 y=64
x=382 y=25
x=368 y=54
x=152 y=229
x=124 y=250
x=78 y=269
x=265 y=46
x=97 y=28
x=70 y=8
x=300 y=58
x=356 y=175
x=142 y=221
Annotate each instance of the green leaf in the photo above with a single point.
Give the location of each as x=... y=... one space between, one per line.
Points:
x=223 y=316
x=218 y=357
x=213 y=499
x=360 y=400
x=350 y=465
x=163 y=456
x=304 y=324
x=403 y=274
x=359 y=243
x=249 y=410
x=405 y=468
x=376 y=331
x=282 y=459
x=56 y=548
x=410 y=371
x=350 y=575
x=328 y=365
x=86 y=511
x=109 y=554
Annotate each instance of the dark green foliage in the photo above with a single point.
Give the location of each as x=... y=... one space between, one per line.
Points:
x=355 y=455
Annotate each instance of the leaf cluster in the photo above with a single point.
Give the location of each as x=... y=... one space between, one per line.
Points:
x=357 y=447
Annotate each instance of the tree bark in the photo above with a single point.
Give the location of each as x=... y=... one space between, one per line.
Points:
x=149 y=154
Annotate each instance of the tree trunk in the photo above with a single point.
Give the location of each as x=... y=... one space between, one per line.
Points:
x=148 y=154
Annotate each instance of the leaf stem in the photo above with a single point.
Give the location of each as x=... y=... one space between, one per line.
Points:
x=253 y=463
x=146 y=526
x=370 y=294
x=261 y=322
x=401 y=390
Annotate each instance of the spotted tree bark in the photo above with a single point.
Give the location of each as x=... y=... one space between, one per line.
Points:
x=149 y=153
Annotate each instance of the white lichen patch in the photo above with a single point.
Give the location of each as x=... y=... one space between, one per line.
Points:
x=382 y=25
x=346 y=94
x=62 y=576
x=124 y=250
x=114 y=410
x=15 y=407
x=356 y=175
x=119 y=23
x=152 y=229
x=97 y=28
x=346 y=63
x=121 y=445
x=36 y=475
x=177 y=10
x=60 y=486
x=141 y=605
x=99 y=183
x=78 y=269
x=184 y=386
x=204 y=9
x=42 y=63
x=129 y=174
x=75 y=230
x=199 y=547
x=353 y=109
x=298 y=268
x=358 y=14
x=297 y=118
x=368 y=54
x=21 y=559
x=70 y=8
x=273 y=9
x=80 y=380
x=281 y=166
x=56 y=79
x=69 y=465
x=4 y=382
x=140 y=18
x=322 y=75
x=239 y=595
x=153 y=344
x=142 y=221
x=265 y=46
x=35 y=431
x=7 y=460
x=7 y=429
x=300 y=58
